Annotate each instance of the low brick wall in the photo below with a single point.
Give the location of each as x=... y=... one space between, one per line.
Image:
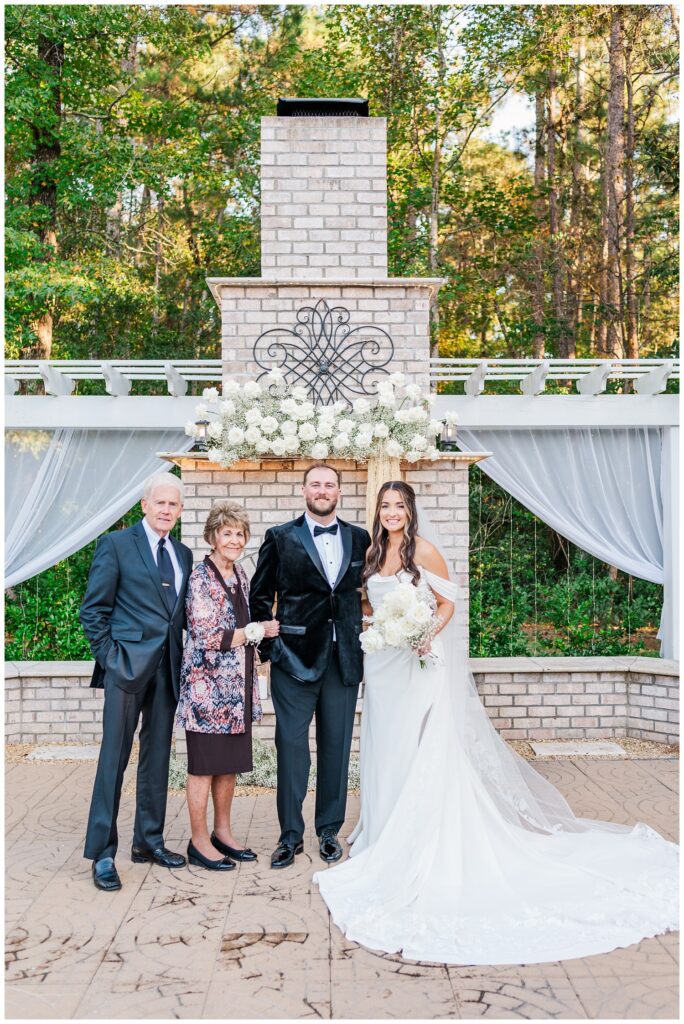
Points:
x=527 y=699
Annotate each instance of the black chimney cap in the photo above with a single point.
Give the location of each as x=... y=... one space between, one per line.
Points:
x=294 y=107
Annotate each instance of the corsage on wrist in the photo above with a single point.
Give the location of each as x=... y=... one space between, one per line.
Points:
x=254 y=633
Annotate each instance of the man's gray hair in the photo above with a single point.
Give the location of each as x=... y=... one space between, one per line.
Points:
x=163 y=480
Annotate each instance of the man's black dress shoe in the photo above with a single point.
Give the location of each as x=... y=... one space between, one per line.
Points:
x=105 y=875
x=161 y=856
x=329 y=847
x=284 y=854
x=200 y=861
x=228 y=851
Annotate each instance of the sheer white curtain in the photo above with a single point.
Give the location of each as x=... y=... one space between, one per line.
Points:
x=599 y=487
x=65 y=487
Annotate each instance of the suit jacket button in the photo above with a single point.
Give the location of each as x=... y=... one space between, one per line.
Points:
x=329 y=620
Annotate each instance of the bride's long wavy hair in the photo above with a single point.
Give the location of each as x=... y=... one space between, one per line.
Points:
x=377 y=552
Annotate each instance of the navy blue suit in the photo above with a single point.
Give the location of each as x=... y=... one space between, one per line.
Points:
x=137 y=643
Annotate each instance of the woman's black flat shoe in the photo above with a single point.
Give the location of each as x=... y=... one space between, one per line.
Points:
x=200 y=861
x=230 y=852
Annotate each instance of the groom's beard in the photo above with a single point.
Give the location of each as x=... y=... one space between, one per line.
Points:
x=321 y=506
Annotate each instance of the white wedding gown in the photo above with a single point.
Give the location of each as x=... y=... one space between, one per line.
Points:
x=463 y=853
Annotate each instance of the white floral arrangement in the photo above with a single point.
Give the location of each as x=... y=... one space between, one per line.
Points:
x=253 y=419
x=406 y=617
x=254 y=633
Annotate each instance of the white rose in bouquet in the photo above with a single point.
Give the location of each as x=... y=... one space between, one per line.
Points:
x=419 y=443
x=252 y=434
x=236 y=435
x=252 y=389
x=361 y=406
x=253 y=416
x=364 y=439
x=345 y=424
x=400 y=599
x=381 y=430
x=262 y=446
x=371 y=641
x=319 y=451
x=269 y=425
x=291 y=444
x=306 y=411
x=288 y=428
x=227 y=407
x=394 y=633
x=394 y=449
x=215 y=430
x=325 y=429
x=419 y=615
x=288 y=406
x=307 y=432
x=278 y=446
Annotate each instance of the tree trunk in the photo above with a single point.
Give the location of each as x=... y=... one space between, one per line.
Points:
x=156 y=315
x=632 y=346
x=554 y=223
x=575 y=296
x=615 y=155
x=44 y=170
x=538 y=290
x=435 y=180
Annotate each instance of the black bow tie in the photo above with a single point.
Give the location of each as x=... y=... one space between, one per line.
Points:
x=318 y=530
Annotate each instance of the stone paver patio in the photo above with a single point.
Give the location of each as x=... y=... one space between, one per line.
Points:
x=258 y=943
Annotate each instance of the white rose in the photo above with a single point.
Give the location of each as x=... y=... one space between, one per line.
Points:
x=387 y=400
x=254 y=632
x=403 y=415
x=364 y=439
x=320 y=451
x=340 y=442
x=253 y=416
x=417 y=414
x=345 y=424
x=252 y=434
x=435 y=426
x=231 y=388
x=201 y=411
x=397 y=378
x=306 y=411
x=381 y=430
x=371 y=641
x=215 y=430
x=288 y=428
x=419 y=615
x=291 y=444
x=414 y=392
x=361 y=406
x=433 y=453
x=236 y=435
x=325 y=429
x=451 y=418
x=252 y=389
x=227 y=407
x=300 y=393
x=191 y=429
x=269 y=425
x=339 y=406
x=307 y=432
x=288 y=406
x=278 y=446
x=393 y=634
x=414 y=456
x=262 y=446
x=419 y=443
x=275 y=375
x=211 y=394
x=393 y=449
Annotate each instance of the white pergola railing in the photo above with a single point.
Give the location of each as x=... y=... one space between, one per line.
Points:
x=591 y=376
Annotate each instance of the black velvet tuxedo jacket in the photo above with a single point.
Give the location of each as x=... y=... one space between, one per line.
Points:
x=290 y=567
x=124 y=614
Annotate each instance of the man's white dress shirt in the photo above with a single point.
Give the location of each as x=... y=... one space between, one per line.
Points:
x=154 y=538
x=329 y=547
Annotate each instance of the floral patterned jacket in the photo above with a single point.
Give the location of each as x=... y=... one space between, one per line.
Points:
x=212 y=681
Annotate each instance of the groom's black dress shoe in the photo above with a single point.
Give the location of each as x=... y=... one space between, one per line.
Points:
x=105 y=875
x=329 y=846
x=228 y=851
x=284 y=854
x=161 y=856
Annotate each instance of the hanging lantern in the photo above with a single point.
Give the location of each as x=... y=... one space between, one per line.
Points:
x=201 y=428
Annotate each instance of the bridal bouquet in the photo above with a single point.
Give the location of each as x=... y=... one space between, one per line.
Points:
x=253 y=418
x=406 y=617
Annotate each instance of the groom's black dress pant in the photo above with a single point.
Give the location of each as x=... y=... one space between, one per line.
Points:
x=295 y=704
x=122 y=711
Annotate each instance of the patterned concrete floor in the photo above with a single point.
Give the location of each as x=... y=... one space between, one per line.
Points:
x=259 y=943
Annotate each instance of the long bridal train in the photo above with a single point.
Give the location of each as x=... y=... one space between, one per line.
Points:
x=464 y=854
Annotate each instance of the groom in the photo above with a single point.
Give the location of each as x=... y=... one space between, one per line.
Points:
x=313 y=565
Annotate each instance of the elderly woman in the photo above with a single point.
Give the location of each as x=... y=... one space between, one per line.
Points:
x=219 y=692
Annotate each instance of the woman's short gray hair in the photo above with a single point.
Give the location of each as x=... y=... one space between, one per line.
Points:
x=163 y=480
x=225 y=513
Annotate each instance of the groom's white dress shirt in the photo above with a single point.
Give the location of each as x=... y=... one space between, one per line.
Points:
x=329 y=547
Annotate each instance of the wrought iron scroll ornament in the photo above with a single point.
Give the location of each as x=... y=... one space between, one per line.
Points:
x=325 y=354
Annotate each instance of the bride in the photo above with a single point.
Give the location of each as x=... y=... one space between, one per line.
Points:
x=464 y=854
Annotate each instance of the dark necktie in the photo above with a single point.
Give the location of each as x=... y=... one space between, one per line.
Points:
x=318 y=530
x=168 y=576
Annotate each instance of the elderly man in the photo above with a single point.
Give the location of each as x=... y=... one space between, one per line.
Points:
x=133 y=614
